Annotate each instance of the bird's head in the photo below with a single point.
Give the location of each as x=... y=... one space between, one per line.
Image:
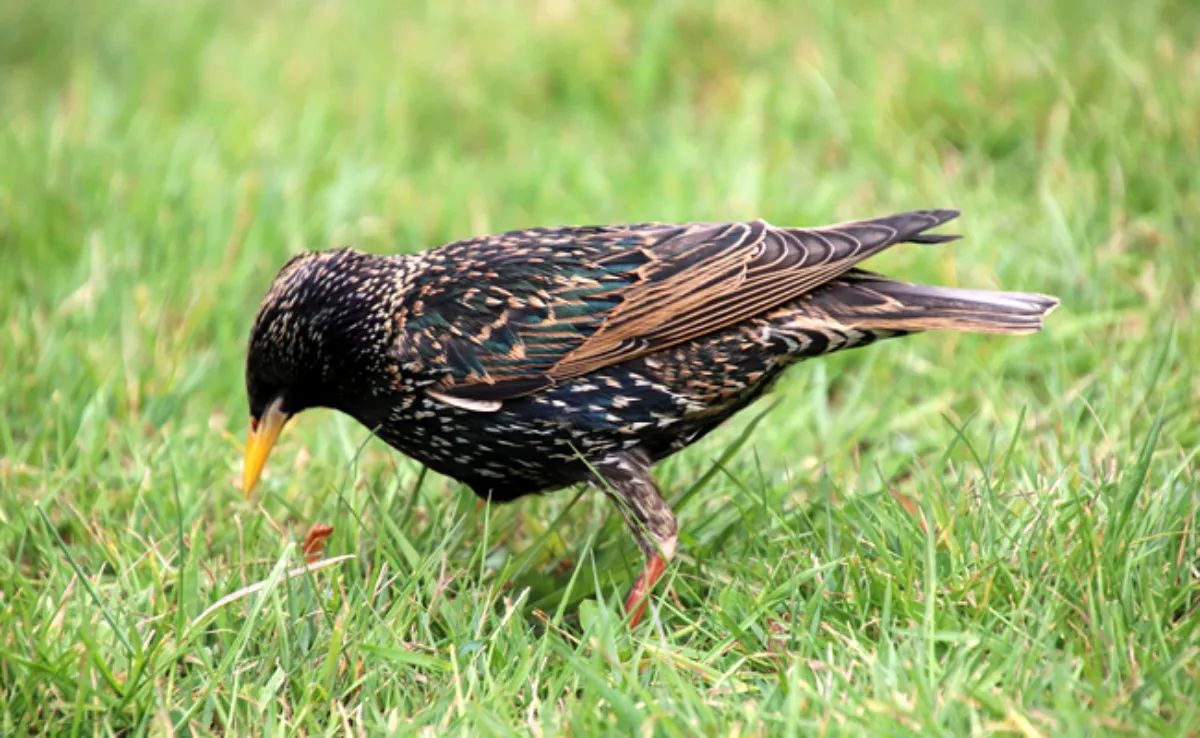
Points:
x=319 y=340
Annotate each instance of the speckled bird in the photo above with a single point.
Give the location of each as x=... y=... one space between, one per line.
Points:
x=537 y=359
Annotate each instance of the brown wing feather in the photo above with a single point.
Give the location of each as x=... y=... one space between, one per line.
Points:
x=764 y=267
x=691 y=280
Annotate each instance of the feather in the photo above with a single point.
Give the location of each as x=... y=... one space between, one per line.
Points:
x=526 y=310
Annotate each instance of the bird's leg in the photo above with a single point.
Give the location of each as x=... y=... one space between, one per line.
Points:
x=649 y=518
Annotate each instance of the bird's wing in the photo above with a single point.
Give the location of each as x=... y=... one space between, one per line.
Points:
x=506 y=315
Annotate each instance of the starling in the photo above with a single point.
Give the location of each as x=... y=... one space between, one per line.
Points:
x=536 y=359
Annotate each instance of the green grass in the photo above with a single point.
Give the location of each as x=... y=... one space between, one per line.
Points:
x=942 y=535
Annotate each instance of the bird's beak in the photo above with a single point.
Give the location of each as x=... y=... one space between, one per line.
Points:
x=264 y=431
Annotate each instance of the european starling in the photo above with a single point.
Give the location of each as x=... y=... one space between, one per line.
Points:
x=537 y=359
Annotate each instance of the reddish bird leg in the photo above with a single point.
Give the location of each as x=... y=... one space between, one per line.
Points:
x=639 y=593
x=627 y=480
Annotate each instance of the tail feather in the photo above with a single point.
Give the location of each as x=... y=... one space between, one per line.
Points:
x=872 y=302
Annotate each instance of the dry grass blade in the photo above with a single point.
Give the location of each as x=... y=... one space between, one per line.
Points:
x=250 y=589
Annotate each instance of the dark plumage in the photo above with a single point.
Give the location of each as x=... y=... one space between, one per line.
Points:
x=536 y=359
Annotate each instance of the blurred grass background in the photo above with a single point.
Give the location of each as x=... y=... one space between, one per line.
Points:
x=940 y=536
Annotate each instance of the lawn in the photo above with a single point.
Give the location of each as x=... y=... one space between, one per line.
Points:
x=940 y=535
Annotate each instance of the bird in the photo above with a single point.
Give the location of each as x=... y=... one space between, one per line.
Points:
x=543 y=358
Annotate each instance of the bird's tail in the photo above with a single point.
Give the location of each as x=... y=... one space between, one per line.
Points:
x=861 y=299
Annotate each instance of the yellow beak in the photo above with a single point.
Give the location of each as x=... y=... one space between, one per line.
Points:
x=263 y=433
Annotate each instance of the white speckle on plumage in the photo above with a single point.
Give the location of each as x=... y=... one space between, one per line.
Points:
x=621 y=401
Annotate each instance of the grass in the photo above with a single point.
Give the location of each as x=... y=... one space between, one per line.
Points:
x=943 y=535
